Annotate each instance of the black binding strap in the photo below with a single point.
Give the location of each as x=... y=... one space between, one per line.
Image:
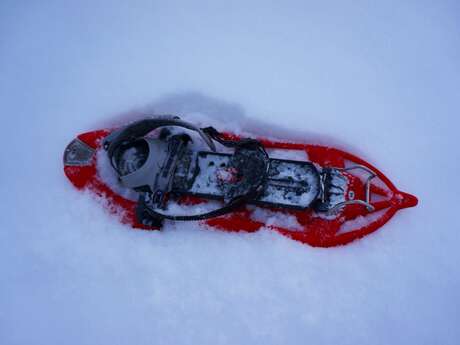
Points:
x=217 y=136
x=227 y=208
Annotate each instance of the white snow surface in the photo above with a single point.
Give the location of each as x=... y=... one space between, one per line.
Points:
x=379 y=79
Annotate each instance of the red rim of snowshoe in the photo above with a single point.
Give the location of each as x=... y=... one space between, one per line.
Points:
x=351 y=223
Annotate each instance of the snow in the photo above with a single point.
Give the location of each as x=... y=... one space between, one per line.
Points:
x=207 y=181
x=361 y=221
x=295 y=155
x=377 y=79
x=271 y=218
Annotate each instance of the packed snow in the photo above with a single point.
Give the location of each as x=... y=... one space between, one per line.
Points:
x=378 y=79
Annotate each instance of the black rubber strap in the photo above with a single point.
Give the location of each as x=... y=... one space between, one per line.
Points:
x=230 y=207
x=217 y=136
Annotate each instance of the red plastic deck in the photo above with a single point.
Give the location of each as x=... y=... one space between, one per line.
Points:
x=352 y=221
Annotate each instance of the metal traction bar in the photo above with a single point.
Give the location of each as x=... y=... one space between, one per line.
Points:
x=367 y=202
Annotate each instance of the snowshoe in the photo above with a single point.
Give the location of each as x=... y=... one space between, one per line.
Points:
x=231 y=183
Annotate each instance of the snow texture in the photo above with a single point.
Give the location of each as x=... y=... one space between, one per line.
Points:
x=379 y=79
x=206 y=182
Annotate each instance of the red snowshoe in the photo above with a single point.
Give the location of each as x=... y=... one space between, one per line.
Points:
x=329 y=198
